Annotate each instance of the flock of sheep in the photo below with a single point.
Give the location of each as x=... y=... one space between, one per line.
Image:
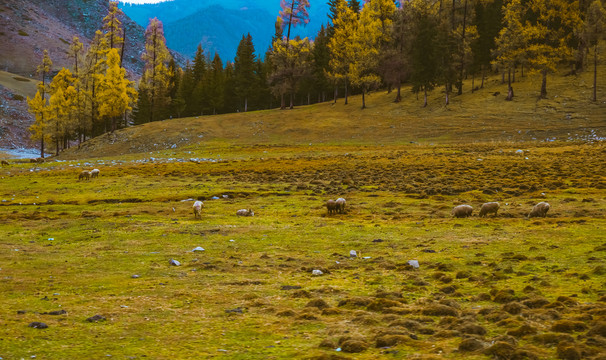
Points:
x=338 y=206
x=462 y=211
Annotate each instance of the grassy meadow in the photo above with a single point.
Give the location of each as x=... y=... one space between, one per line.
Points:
x=504 y=287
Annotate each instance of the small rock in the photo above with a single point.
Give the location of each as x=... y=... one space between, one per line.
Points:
x=235 y=311
x=198 y=249
x=96 y=318
x=290 y=287
x=56 y=312
x=353 y=253
x=135 y=276
x=38 y=325
x=414 y=263
x=174 y=262
x=317 y=272
x=51 y=239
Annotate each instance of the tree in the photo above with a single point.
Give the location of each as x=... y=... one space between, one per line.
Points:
x=549 y=33
x=354 y=5
x=395 y=59
x=113 y=27
x=424 y=55
x=370 y=37
x=215 y=85
x=117 y=92
x=341 y=45
x=83 y=125
x=94 y=67
x=244 y=70
x=291 y=63
x=156 y=80
x=512 y=41
x=38 y=105
x=321 y=58
x=488 y=21
x=594 y=29
x=293 y=13
x=62 y=108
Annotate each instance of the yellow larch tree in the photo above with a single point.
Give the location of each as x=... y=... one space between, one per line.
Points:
x=116 y=92
x=38 y=105
x=340 y=45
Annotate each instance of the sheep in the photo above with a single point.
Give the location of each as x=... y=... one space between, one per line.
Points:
x=94 y=173
x=198 y=209
x=4 y=163
x=539 y=209
x=39 y=160
x=462 y=211
x=245 y=212
x=489 y=207
x=331 y=206
x=340 y=208
x=84 y=175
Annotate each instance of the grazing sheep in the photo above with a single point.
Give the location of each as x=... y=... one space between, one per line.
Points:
x=4 y=163
x=539 y=209
x=331 y=206
x=489 y=207
x=245 y=212
x=340 y=205
x=94 y=173
x=462 y=211
x=84 y=175
x=33 y=160
x=40 y=160
x=198 y=209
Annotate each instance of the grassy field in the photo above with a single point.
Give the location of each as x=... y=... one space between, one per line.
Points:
x=504 y=287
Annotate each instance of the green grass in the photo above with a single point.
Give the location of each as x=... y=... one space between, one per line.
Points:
x=251 y=293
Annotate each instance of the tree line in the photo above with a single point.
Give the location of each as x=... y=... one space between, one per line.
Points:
x=423 y=44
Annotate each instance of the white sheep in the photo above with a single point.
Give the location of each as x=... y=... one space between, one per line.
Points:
x=340 y=205
x=462 y=211
x=539 y=210
x=198 y=209
x=489 y=207
x=245 y=212
x=85 y=174
x=94 y=173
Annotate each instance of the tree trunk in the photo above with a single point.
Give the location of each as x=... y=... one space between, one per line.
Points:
x=245 y=104
x=346 y=94
x=399 y=93
x=424 y=96
x=447 y=100
x=595 y=73
x=282 y=102
x=483 y=76
x=292 y=105
x=363 y=99
x=308 y=98
x=473 y=82
x=509 y=88
x=460 y=84
x=42 y=146
x=544 y=85
x=336 y=93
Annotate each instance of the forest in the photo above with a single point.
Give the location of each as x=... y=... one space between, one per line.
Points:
x=421 y=45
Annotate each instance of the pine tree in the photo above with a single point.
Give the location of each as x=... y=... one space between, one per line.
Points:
x=38 y=105
x=293 y=13
x=83 y=122
x=215 y=85
x=156 y=82
x=488 y=21
x=320 y=63
x=117 y=92
x=95 y=66
x=244 y=70
x=354 y=5
x=341 y=45
x=395 y=59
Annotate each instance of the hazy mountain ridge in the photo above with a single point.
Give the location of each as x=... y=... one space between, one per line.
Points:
x=219 y=25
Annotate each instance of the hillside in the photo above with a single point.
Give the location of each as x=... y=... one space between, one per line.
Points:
x=31 y=26
x=484 y=116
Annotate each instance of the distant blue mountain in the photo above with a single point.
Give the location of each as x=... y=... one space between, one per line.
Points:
x=219 y=24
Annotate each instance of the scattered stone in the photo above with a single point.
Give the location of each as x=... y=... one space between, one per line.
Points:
x=199 y=248
x=38 y=325
x=21 y=312
x=235 y=311
x=414 y=263
x=353 y=253
x=56 y=312
x=96 y=318
x=317 y=272
x=135 y=276
x=430 y=251
x=174 y=262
